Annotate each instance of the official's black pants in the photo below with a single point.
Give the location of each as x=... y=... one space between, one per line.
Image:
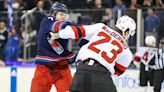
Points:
x=158 y=79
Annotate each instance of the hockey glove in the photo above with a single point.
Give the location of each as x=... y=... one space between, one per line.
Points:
x=54 y=35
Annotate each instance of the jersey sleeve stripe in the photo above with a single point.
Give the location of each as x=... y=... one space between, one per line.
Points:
x=120 y=67
x=82 y=31
x=53 y=25
x=117 y=73
x=117 y=70
x=76 y=32
x=79 y=31
x=60 y=26
x=56 y=26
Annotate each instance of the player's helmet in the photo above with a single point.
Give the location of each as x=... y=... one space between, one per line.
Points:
x=56 y=7
x=125 y=23
x=150 y=41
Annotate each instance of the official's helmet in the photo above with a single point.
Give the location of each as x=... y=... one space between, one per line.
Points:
x=150 y=41
x=126 y=23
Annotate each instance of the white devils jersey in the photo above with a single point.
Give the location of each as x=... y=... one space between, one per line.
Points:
x=105 y=45
x=145 y=55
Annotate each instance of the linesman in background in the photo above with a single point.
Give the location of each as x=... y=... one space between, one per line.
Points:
x=159 y=67
x=143 y=57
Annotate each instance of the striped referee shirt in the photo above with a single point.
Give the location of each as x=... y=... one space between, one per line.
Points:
x=159 y=59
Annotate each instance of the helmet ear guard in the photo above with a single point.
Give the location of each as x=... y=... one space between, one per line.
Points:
x=124 y=34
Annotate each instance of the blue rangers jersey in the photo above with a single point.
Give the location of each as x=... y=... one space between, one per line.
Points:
x=51 y=50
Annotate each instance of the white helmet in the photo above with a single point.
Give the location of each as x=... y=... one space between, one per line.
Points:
x=126 y=23
x=150 y=41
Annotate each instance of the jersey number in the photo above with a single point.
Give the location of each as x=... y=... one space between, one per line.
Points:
x=145 y=56
x=106 y=39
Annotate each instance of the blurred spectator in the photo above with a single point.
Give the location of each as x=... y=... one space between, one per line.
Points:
x=3 y=39
x=107 y=16
x=160 y=13
x=159 y=3
x=133 y=9
x=38 y=15
x=29 y=4
x=17 y=7
x=3 y=5
x=134 y=5
x=17 y=4
x=147 y=3
x=3 y=10
x=98 y=11
x=152 y=23
x=119 y=6
x=12 y=47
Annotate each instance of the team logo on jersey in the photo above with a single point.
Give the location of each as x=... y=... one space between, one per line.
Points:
x=56 y=46
x=58 y=49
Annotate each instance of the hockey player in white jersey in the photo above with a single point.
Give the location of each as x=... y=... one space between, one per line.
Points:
x=106 y=54
x=143 y=58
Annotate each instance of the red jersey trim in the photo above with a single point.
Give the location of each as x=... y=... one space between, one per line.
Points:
x=82 y=31
x=75 y=32
x=122 y=68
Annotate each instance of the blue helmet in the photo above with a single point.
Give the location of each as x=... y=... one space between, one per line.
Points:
x=56 y=7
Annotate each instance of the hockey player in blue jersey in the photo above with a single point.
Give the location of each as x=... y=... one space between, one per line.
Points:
x=52 y=55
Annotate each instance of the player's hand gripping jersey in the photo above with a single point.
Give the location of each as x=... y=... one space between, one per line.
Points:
x=146 y=55
x=105 y=45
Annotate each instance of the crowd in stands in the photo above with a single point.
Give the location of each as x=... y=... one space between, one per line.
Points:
x=91 y=11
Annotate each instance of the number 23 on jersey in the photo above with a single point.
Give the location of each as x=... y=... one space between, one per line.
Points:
x=106 y=39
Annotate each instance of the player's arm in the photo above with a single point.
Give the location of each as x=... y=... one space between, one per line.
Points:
x=77 y=32
x=123 y=62
x=54 y=27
